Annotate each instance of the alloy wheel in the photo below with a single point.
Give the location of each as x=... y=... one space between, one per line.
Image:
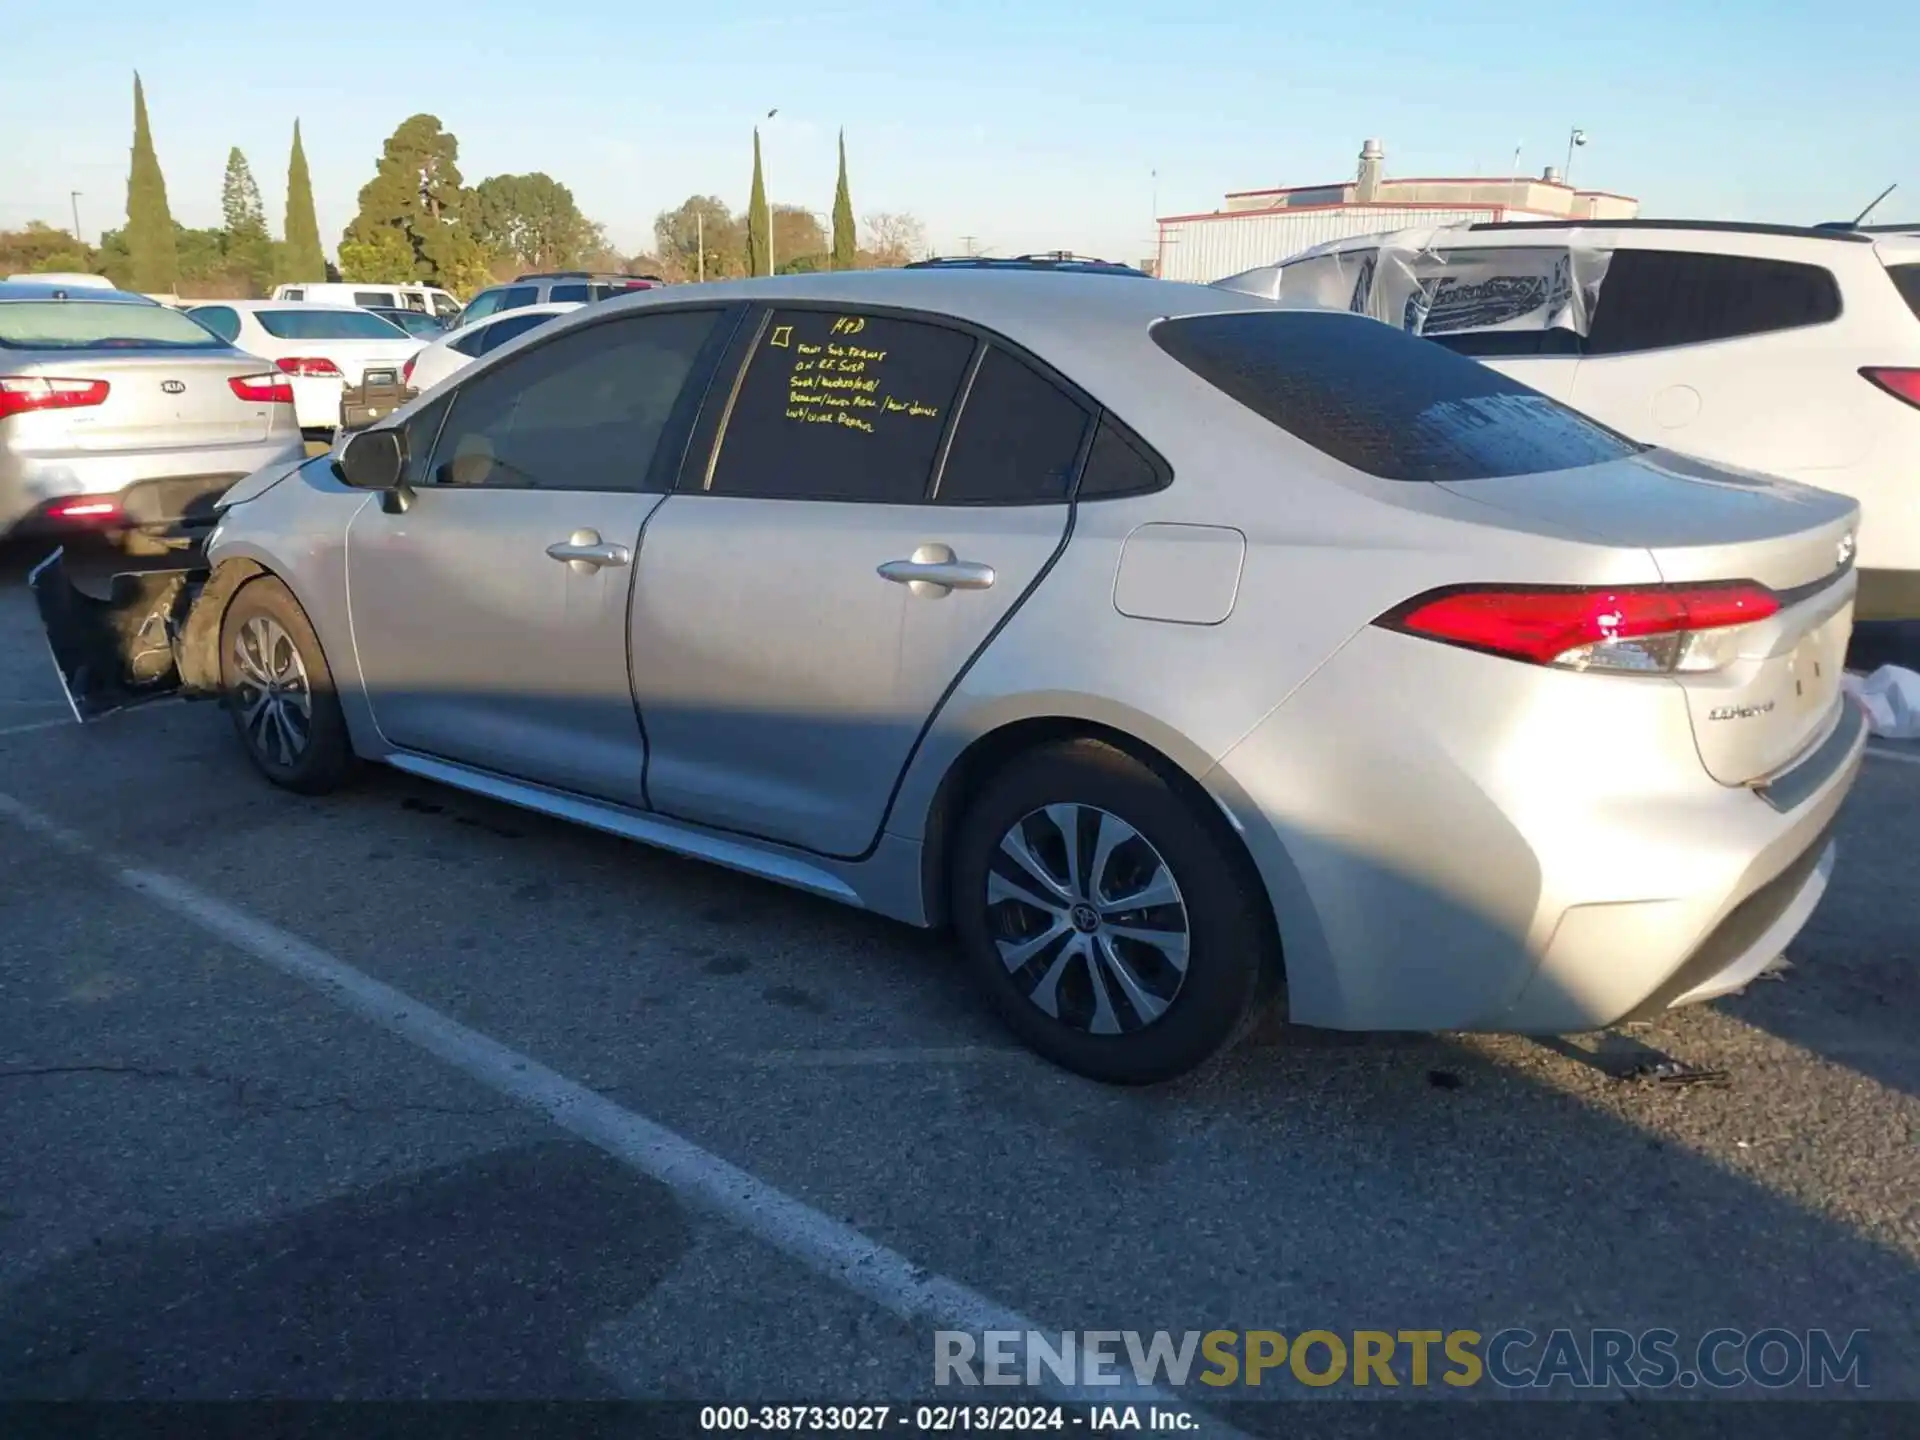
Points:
x=274 y=699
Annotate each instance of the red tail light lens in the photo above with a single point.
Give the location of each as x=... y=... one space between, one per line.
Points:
x=1632 y=628
x=85 y=507
x=309 y=365
x=21 y=393
x=1902 y=384
x=406 y=370
x=264 y=389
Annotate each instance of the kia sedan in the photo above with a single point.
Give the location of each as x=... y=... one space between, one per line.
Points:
x=117 y=413
x=1177 y=649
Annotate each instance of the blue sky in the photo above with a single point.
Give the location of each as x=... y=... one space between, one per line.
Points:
x=1026 y=125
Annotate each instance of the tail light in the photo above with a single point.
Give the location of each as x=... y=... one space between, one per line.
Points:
x=1902 y=384
x=1638 y=629
x=267 y=388
x=309 y=365
x=21 y=393
x=85 y=507
x=406 y=370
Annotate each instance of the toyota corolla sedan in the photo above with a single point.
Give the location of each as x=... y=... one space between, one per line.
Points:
x=1177 y=649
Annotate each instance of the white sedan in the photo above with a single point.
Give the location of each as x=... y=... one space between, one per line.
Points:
x=461 y=347
x=321 y=348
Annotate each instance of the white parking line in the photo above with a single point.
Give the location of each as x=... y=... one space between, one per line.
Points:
x=701 y=1179
x=33 y=725
x=1905 y=757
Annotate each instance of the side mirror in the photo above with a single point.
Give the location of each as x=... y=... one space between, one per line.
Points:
x=373 y=460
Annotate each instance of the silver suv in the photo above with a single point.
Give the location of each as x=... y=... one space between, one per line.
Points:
x=119 y=413
x=559 y=286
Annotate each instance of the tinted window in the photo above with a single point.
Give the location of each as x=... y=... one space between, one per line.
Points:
x=483 y=305
x=375 y=297
x=514 y=296
x=1118 y=464
x=220 y=320
x=1018 y=440
x=1652 y=299
x=583 y=412
x=501 y=331
x=841 y=406
x=1383 y=401
x=444 y=305
x=1906 y=279
x=474 y=342
x=99 y=325
x=421 y=430
x=569 y=292
x=1510 y=342
x=317 y=324
x=294 y=295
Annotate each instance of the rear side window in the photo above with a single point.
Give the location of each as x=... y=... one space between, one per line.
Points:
x=501 y=331
x=1656 y=299
x=294 y=295
x=577 y=292
x=1118 y=465
x=836 y=405
x=1382 y=401
x=1018 y=441
x=474 y=342
x=1906 y=279
x=220 y=319
x=382 y=299
x=514 y=296
x=316 y=324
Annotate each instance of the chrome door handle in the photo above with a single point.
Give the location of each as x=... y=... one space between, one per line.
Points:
x=585 y=552
x=935 y=571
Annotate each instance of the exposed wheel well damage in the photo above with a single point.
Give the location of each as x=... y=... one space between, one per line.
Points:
x=197 y=652
x=986 y=756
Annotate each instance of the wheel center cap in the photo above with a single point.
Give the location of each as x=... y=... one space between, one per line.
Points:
x=1086 y=919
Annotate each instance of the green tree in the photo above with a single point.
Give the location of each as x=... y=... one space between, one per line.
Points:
x=301 y=258
x=799 y=243
x=759 y=219
x=249 y=249
x=40 y=248
x=532 y=220
x=678 y=236
x=416 y=194
x=153 y=265
x=846 y=236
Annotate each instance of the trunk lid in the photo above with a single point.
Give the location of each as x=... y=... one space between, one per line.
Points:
x=1779 y=693
x=356 y=357
x=155 y=400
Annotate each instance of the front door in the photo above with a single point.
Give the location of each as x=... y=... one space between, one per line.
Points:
x=490 y=615
x=803 y=605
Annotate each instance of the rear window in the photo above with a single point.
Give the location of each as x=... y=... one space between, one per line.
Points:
x=97 y=325
x=577 y=292
x=1906 y=279
x=1385 y=402
x=312 y=324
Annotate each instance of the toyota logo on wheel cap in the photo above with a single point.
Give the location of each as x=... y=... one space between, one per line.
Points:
x=173 y=387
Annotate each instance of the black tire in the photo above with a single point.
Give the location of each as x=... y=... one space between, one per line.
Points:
x=325 y=759
x=1231 y=953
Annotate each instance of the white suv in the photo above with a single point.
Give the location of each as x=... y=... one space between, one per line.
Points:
x=1790 y=351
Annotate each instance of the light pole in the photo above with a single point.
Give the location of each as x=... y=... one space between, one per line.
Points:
x=1575 y=137
x=73 y=196
x=770 y=270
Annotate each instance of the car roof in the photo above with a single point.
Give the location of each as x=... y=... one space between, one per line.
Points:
x=56 y=290
x=303 y=306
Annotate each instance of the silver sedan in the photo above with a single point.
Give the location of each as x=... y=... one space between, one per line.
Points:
x=117 y=412
x=1178 y=649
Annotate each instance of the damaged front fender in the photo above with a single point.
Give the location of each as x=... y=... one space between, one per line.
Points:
x=152 y=634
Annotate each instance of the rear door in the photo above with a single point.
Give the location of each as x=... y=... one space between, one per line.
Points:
x=818 y=581
x=490 y=616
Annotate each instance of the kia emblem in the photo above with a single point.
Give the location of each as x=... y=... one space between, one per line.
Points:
x=173 y=387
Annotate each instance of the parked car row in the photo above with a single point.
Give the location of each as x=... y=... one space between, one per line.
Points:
x=1180 y=650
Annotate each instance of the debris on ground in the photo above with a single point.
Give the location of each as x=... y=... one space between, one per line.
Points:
x=1891 y=698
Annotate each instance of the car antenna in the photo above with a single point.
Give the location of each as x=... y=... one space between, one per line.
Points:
x=1861 y=217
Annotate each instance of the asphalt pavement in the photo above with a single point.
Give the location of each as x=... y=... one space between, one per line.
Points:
x=405 y=1094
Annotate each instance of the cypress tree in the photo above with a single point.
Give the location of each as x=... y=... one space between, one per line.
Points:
x=153 y=260
x=302 y=260
x=845 y=238
x=759 y=219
